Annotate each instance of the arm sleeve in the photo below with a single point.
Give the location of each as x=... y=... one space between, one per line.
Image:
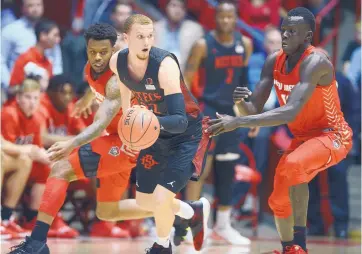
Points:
x=176 y=121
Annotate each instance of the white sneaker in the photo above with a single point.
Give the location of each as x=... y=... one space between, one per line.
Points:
x=232 y=236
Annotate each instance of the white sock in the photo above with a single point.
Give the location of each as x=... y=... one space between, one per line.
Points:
x=186 y=211
x=164 y=241
x=223 y=218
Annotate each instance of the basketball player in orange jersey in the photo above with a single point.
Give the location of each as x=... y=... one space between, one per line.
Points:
x=87 y=154
x=304 y=80
x=153 y=75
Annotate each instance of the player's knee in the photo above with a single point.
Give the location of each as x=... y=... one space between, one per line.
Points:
x=62 y=170
x=281 y=207
x=107 y=212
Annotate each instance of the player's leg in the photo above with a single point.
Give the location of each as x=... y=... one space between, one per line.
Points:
x=292 y=176
x=227 y=154
x=17 y=170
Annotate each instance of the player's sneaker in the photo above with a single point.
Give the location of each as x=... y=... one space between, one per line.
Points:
x=6 y=234
x=18 y=231
x=30 y=246
x=197 y=224
x=231 y=236
x=295 y=249
x=159 y=249
x=59 y=229
x=108 y=229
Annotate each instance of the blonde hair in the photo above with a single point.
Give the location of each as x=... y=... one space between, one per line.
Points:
x=29 y=85
x=136 y=19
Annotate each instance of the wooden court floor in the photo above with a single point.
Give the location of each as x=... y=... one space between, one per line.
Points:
x=115 y=246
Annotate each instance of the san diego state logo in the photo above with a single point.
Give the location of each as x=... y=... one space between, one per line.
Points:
x=148 y=162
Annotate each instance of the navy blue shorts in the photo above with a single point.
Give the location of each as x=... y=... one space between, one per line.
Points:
x=226 y=143
x=169 y=162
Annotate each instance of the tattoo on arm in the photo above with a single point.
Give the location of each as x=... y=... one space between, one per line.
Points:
x=106 y=112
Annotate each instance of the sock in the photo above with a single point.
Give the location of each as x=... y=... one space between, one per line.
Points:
x=186 y=211
x=287 y=244
x=6 y=212
x=300 y=234
x=223 y=218
x=30 y=214
x=40 y=231
x=54 y=196
x=163 y=241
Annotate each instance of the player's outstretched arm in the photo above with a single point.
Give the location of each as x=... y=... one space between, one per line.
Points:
x=312 y=70
x=197 y=54
x=126 y=94
x=169 y=78
x=261 y=93
x=106 y=112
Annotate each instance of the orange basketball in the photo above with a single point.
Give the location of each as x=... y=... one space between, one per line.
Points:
x=138 y=128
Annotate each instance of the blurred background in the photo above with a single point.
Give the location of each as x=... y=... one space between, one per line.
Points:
x=335 y=199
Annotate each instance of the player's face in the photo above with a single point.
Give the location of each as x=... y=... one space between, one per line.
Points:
x=29 y=102
x=33 y=9
x=99 y=53
x=295 y=33
x=140 y=39
x=226 y=18
x=64 y=96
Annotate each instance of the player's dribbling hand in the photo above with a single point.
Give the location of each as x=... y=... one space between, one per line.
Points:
x=223 y=123
x=60 y=150
x=241 y=93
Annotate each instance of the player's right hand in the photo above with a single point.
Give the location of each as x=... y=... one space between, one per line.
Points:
x=82 y=108
x=241 y=93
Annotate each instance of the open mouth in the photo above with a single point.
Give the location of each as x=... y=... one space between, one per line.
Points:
x=284 y=44
x=98 y=65
x=145 y=50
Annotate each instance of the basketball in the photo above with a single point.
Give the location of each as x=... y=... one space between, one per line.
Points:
x=138 y=128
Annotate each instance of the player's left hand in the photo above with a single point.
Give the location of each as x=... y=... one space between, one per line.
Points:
x=60 y=150
x=223 y=123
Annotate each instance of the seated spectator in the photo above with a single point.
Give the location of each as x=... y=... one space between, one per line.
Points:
x=120 y=13
x=21 y=125
x=57 y=109
x=33 y=61
x=260 y=13
x=176 y=33
x=19 y=36
x=352 y=46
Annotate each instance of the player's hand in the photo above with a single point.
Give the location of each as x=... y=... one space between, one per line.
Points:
x=223 y=123
x=39 y=155
x=60 y=150
x=82 y=108
x=241 y=93
x=253 y=132
x=129 y=151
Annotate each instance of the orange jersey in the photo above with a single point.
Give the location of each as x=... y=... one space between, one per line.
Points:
x=321 y=113
x=30 y=62
x=20 y=129
x=98 y=87
x=60 y=123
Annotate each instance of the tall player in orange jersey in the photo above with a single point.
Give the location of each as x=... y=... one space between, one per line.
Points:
x=307 y=92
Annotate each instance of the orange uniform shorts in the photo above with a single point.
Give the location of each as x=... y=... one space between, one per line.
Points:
x=106 y=159
x=301 y=163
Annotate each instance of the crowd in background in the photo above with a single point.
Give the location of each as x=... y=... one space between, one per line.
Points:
x=39 y=52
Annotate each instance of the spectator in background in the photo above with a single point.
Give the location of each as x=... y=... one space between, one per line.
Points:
x=352 y=46
x=7 y=12
x=176 y=33
x=57 y=106
x=33 y=61
x=21 y=125
x=19 y=36
x=120 y=13
x=337 y=175
x=260 y=13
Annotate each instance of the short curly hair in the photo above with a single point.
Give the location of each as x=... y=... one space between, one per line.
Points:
x=101 y=31
x=306 y=14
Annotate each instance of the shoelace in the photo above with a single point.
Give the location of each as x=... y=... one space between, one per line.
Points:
x=18 y=248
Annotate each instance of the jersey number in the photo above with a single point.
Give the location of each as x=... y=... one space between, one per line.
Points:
x=229 y=76
x=284 y=98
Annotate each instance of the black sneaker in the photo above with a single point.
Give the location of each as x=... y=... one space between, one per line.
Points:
x=197 y=224
x=30 y=246
x=159 y=249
